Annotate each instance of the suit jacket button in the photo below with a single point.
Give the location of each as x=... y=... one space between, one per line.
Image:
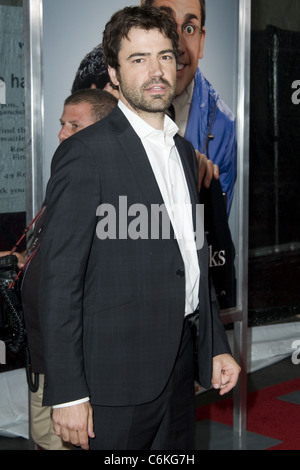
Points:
x=180 y=273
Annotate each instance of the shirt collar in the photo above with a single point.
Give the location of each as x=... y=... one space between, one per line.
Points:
x=143 y=129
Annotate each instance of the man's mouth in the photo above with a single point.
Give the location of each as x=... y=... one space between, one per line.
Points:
x=156 y=88
x=180 y=67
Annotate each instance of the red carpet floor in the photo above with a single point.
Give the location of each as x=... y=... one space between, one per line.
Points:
x=267 y=414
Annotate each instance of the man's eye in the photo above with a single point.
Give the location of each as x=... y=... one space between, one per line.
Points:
x=189 y=29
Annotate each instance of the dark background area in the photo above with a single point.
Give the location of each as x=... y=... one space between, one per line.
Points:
x=274 y=202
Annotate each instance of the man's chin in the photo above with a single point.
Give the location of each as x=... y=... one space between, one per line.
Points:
x=160 y=105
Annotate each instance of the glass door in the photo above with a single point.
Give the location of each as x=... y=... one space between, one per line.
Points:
x=12 y=168
x=274 y=203
x=12 y=124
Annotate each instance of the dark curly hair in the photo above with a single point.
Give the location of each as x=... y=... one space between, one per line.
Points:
x=142 y=17
x=92 y=70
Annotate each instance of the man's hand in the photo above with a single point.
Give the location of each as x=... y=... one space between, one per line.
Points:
x=206 y=170
x=74 y=424
x=21 y=257
x=225 y=373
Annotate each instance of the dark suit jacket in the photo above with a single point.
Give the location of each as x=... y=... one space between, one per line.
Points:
x=112 y=310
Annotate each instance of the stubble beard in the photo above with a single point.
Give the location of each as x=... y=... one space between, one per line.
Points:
x=154 y=104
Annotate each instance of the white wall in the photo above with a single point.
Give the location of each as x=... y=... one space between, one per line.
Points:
x=220 y=60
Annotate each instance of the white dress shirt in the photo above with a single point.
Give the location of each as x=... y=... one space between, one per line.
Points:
x=167 y=168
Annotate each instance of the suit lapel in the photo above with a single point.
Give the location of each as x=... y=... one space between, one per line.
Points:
x=137 y=158
x=141 y=166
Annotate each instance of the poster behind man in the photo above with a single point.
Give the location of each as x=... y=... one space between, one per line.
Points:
x=59 y=75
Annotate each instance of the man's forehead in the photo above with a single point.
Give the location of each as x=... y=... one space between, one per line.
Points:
x=72 y=111
x=138 y=36
x=140 y=31
x=76 y=108
x=192 y=8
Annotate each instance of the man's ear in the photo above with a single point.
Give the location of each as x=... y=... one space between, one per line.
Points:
x=113 y=75
x=202 y=41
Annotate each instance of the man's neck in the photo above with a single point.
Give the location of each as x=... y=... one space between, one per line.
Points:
x=182 y=105
x=187 y=93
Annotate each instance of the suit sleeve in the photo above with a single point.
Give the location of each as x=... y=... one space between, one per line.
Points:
x=220 y=341
x=72 y=197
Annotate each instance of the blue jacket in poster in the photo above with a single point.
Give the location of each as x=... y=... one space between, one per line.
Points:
x=211 y=128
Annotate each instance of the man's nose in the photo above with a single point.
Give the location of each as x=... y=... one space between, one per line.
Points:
x=181 y=40
x=156 y=68
x=63 y=135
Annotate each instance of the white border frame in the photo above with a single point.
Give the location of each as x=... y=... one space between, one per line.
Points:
x=34 y=116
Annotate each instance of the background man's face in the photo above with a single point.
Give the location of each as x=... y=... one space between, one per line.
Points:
x=74 y=118
x=190 y=49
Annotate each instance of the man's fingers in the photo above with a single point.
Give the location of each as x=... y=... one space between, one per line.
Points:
x=74 y=424
x=216 y=172
x=226 y=386
x=225 y=373
x=77 y=438
x=206 y=170
x=82 y=439
x=91 y=426
x=209 y=173
x=202 y=163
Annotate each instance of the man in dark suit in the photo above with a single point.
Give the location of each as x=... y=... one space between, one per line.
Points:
x=81 y=109
x=117 y=295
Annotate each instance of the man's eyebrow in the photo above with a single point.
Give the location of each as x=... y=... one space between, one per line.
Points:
x=167 y=10
x=138 y=54
x=146 y=54
x=167 y=51
x=188 y=16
